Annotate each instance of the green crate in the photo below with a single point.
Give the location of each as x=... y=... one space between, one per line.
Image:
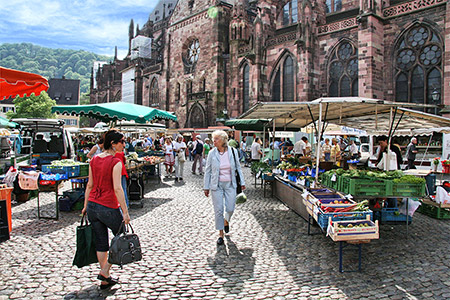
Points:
x=403 y=189
x=363 y=187
x=434 y=211
x=84 y=170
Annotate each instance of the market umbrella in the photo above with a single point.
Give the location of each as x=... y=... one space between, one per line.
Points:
x=247 y=124
x=115 y=111
x=17 y=83
x=5 y=123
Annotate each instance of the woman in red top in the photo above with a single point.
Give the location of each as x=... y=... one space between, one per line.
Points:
x=104 y=196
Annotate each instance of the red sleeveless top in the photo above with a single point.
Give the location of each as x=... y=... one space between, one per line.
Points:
x=102 y=174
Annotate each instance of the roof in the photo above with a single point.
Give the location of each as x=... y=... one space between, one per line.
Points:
x=361 y=113
x=64 y=91
x=157 y=14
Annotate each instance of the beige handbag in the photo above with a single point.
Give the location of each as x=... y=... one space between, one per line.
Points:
x=181 y=156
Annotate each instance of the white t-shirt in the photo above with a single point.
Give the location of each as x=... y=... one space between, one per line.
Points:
x=168 y=149
x=299 y=147
x=225 y=168
x=177 y=146
x=256 y=147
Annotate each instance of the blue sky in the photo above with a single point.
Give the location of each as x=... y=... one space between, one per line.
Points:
x=92 y=25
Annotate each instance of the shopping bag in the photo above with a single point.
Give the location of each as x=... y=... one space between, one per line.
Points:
x=85 y=253
x=125 y=247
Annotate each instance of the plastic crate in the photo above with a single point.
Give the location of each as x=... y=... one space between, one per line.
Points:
x=71 y=171
x=392 y=215
x=363 y=187
x=84 y=170
x=51 y=176
x=403 y=189
x=322 y=218
x=434 y=211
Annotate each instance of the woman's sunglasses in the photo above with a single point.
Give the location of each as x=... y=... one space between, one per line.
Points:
x=121 y=141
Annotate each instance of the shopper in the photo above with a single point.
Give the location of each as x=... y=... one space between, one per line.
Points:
x=411 y=152
x=169 y=161
x=335 y=151
x=104 y=195
x=206 y=148
x=354 y=153
x=220 y=179
x=256 y=149
x=198 y=155
x=308 y=147
x=243 y=148
x=299 y=148
x=96 y=149
x=326 y=149
x=180 y=149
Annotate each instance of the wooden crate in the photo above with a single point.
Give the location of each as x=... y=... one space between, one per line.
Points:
x=338 y=234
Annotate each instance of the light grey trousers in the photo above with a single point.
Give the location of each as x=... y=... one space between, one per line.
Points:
x=179 y=168
x=223 y=197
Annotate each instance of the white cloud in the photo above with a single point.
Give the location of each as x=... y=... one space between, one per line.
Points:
x=102 y=24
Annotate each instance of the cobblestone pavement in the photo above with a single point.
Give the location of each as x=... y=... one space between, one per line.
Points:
x=267 y=254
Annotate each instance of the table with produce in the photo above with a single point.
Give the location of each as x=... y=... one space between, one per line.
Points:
x=52 y=175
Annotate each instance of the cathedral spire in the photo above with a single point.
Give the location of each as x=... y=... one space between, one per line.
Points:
x=115 y=53
x=130 y=35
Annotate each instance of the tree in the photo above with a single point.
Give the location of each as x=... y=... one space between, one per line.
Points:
x=84 y=100
x=33 y=107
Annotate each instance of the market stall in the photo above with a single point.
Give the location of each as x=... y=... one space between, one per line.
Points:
x=361 y=113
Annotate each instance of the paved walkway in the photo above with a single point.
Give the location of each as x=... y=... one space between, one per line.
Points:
x=266 y=255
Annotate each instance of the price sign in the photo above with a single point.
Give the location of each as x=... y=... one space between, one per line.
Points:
x=333 y=178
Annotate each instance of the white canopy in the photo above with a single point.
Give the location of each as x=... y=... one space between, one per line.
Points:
x=361 y=113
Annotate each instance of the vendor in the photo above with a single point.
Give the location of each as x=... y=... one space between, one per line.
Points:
x=96 y=150
x=353 y=150
x=335 y=154
x=383 y=142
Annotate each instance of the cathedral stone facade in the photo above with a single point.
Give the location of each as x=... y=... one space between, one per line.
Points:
x=212 y=60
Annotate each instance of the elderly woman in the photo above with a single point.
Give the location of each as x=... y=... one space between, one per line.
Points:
x=180 y=149
x=220 y=178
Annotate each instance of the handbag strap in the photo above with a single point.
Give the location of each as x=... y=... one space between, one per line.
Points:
x=85 y=219
x=124 y=228
x=234 y=156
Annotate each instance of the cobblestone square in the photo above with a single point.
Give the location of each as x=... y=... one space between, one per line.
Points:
x=267 y=254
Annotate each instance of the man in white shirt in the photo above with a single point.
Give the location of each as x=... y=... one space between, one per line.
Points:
x=299 y=148
x=353 y=150
x=256 y=149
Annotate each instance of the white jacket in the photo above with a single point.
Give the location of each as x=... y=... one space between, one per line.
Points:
x=211 y=179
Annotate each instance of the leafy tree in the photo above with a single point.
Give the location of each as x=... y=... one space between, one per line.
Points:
x=33 y=107
x=84 y=100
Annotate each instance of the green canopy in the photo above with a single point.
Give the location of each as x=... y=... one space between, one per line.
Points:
x=247 y=124
x=5 y=123
x=115 y=111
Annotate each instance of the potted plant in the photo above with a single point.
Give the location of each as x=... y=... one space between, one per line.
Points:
x=435 y=163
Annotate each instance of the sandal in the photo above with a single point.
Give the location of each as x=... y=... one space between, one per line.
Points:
x=110 y=281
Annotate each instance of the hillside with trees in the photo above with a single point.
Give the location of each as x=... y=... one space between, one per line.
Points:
x=51 y=63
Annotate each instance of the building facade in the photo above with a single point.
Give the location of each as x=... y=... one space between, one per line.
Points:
x=211 y=60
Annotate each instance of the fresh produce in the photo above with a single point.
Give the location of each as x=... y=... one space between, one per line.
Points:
x=350 y=225
x=66 y=163
x=410 y=179
x=361 y=206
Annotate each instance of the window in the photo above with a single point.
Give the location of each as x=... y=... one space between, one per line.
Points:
x=343 y=71
x=169 y=5
x=156 y=12
x=68 y=96
x=283 y=84
x=246 y=88
x=288 y=79
x=191 y=4
x=154 y=93
x=333 y=6
x=189 y=88
x=290 y=13
x=203 y=86
x=418 y=69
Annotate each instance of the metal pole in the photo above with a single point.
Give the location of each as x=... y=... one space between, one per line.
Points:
x=387 y=162
x=273 y=139
x=319 y=129
x=264 y=142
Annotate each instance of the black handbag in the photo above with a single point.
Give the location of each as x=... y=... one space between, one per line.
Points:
x=238 y=178
x=125 y=247
x=85 y=253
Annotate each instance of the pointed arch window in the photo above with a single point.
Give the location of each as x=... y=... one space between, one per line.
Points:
x=283 y=84
x=343 y=71
x=178 y=93
x=154 y=93
x=418 y=66
x=288 y=79
x=290 y=13
x=246 y=87
x=333 y=6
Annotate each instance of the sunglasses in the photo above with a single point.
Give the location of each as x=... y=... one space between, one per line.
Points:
x=121 y=141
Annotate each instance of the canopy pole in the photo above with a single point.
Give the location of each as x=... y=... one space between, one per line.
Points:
x=312 y=119
x=387 y=162
x=376 y=116
x=273 y=140
x=264 y=142
x=319 y=125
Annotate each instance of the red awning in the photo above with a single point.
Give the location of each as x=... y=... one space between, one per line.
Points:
x=17 y=83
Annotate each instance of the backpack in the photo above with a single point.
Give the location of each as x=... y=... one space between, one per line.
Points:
x=198 y=148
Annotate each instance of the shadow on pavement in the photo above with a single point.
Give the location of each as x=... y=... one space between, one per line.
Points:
x=93 y=292
x=235 y=265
